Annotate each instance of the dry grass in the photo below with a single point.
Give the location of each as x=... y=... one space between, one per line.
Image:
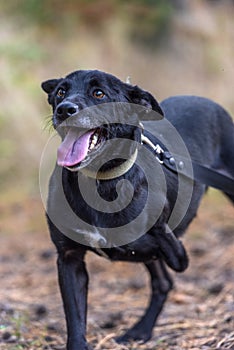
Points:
x=198 y=314
x=196 y=59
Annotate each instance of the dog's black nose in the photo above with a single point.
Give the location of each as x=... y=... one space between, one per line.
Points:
x=65 y=110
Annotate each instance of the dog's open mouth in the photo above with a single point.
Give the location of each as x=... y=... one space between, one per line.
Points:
x=77 y=147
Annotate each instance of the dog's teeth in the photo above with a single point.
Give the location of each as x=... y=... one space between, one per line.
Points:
x=92 y=145
x=94 y=141
x=95 y=138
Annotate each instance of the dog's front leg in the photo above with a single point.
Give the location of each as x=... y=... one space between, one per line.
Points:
x=73 y=281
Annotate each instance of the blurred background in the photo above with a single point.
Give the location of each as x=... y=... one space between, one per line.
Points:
x=168 y=47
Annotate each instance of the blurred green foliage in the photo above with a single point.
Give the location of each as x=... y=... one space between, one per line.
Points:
x=25 y=47
x=21 y=51
x=42 y=39
x=148 y=20
x=7 y=151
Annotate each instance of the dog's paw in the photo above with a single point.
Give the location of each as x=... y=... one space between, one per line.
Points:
x=81 y=346
x=134 y=335
x=172 y=251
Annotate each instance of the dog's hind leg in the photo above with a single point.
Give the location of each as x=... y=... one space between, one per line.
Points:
x=230 y=196
x=226 y=161
x=161 y=284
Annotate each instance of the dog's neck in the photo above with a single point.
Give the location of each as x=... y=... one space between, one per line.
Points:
x=114 y=172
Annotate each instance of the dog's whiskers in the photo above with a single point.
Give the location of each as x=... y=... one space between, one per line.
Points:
x=48 y=123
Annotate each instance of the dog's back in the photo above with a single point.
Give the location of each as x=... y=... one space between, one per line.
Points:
x=206 y=128
x=204 y=132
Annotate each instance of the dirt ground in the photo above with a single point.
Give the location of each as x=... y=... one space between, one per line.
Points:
x=199 y=313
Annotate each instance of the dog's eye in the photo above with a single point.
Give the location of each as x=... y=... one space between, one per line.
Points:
x=98 y=93
x=61 y=93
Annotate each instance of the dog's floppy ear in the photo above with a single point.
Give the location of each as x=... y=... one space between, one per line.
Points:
x=147 y=100
x=49 y=85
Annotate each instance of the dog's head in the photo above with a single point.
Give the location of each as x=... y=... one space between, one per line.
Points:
x=92 y=107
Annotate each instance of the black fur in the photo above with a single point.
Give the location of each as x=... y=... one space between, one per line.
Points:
x=208 y=133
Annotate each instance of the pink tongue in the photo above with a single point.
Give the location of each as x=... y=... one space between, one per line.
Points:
x=74 y=148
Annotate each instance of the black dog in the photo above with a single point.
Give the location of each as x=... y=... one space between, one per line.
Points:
x=206 y=129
